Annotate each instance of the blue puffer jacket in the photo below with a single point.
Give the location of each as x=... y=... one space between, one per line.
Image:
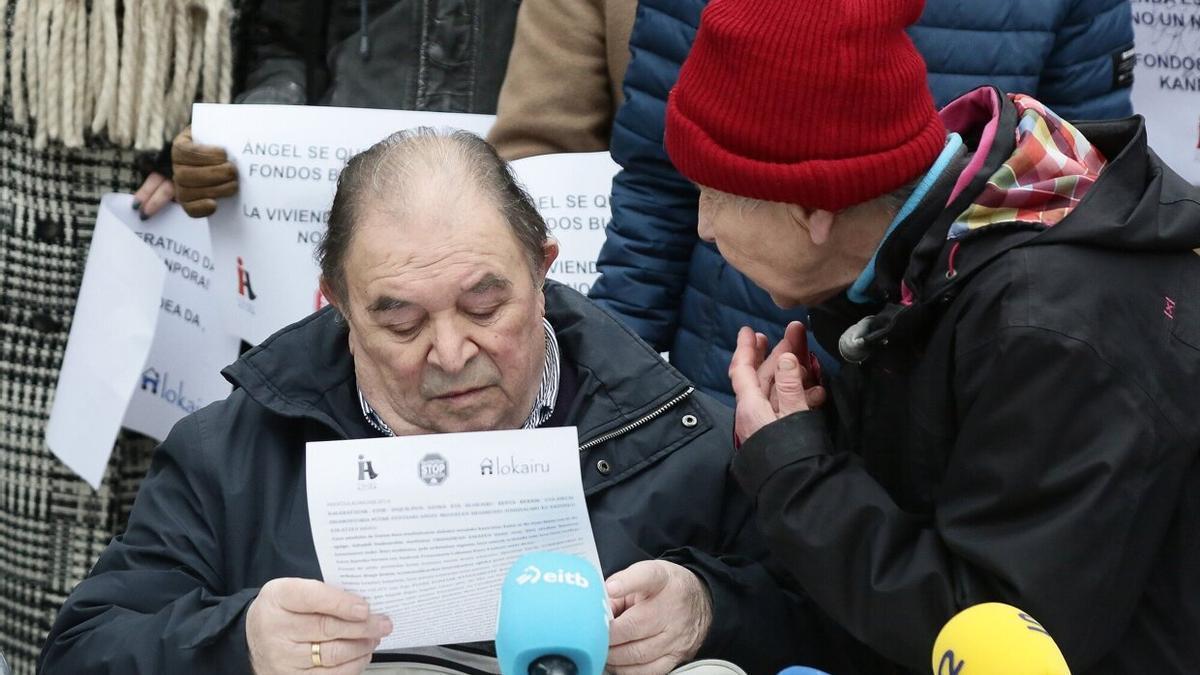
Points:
x=676 y=291
x=1061 y=51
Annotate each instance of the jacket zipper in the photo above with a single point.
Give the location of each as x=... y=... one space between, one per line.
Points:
x=636 y=423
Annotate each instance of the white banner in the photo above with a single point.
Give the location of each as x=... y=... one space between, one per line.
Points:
x=571 y=192
x=146 y=346
x=183 y=371
x=288 y=160
x=1166 y=87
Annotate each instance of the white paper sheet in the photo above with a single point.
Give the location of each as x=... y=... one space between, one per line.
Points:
x=110 y=337
x=288 y=159
x=183 y=370
x=425 y=527
x=1166 y=84
x=572 y=192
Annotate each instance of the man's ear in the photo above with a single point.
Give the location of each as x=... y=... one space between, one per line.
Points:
x=820 y=223
x=549 y=255
x=817 y=222
x=330 y=296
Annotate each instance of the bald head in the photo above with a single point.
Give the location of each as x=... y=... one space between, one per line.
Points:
x=416 y=170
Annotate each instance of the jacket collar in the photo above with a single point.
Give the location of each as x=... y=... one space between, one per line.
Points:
x=621 y=378
x=305 y=370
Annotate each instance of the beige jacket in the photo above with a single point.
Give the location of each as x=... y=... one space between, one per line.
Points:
x=563 y=84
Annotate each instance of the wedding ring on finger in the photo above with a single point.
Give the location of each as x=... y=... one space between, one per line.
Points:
x=316 y=655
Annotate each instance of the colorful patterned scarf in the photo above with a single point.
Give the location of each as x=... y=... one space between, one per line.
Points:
x=1050 y=171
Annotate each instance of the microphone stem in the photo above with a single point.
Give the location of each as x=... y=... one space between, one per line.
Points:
x=553 y=665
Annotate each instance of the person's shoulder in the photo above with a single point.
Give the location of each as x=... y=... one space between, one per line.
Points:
x=220 y=432
x=1050 y=287
x=1117 y=308
x=667 y=12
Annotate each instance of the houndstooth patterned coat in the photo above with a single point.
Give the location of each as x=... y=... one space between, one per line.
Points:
x=53 y=525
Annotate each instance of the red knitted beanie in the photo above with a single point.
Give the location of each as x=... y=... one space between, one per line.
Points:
x=820 y=103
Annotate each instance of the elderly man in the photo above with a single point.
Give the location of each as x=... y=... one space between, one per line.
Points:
x=1017 y=303
x=435 y=261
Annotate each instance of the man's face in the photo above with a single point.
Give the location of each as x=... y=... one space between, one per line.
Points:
x=445 y=314
x=774 y=245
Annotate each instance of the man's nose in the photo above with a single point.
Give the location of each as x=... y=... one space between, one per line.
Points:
x=452 y=347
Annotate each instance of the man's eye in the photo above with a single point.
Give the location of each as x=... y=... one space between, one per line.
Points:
x=405 y=331
x=482 y=313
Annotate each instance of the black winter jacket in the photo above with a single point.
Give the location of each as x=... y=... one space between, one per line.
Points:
x=445 y=55
x=1027 y=431
x=224 y=507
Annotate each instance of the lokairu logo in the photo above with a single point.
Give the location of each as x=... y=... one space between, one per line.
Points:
x=433 y=469
x=495 y=466
x=160 y=384
x=533 y=575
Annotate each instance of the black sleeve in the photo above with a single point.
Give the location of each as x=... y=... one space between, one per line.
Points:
x=155 y=601
x=758 y=623
x=286 y=42
x=1058 y=487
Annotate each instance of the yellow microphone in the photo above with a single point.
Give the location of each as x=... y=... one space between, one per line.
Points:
x=996 y=639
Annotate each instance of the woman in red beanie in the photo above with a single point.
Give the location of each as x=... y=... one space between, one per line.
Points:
x=1017 y=303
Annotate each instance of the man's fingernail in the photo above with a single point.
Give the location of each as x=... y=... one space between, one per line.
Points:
x=137 y=204
x=787 y=363
x=143 y=216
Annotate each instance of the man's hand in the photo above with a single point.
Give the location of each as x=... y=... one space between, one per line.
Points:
x=774 y=386
x=663 y=612
x=290 y=615
x=156 y=192
x=203 y=174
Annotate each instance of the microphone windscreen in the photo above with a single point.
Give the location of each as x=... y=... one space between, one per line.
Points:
x=552 y=604
x=801 y=670
x=996 y=639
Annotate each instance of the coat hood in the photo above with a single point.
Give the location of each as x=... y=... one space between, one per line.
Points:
x=1136 y=203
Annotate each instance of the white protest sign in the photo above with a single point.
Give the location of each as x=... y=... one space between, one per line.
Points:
x=288 y=160
x=183 y=370
x=571 y=191
x=111 y=334
x=146 y=346
x=1166 y=85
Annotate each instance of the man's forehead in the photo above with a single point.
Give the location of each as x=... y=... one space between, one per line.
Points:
x=481 y=283
x=410 y=247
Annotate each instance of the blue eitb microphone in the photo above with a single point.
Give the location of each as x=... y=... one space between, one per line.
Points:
x=801 y=670
x=553 y=617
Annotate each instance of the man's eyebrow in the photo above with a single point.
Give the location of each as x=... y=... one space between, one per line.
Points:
x=386 y=303
x=488 y=283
